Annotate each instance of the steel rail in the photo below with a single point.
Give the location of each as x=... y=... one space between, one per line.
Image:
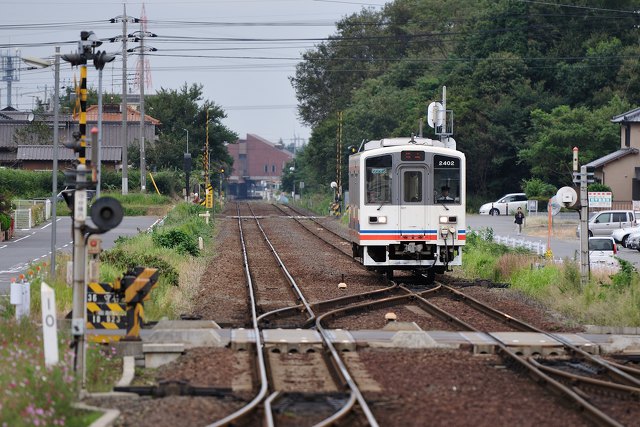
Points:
x=355 y=391
x=309 y=217
x=285 y=271
x=541 y=377
x=323 y=305
x=343 y=372
x=615 y=372
x=259 y=344
x=578 y=380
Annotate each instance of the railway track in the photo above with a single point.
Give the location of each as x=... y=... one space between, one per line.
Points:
x=279 y=374
x=584 y=392
x=312 y=383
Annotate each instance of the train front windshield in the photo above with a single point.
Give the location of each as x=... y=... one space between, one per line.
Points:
x=440 y=173
x=379 y=179
x=446 y=179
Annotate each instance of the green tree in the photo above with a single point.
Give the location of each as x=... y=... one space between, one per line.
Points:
x=549 y=151
x=182 y=110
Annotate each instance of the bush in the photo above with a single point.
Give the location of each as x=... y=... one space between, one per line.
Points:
x=537 y=189
x=177 y=239
x=5 y=221
x=37 y=184
x=126 y=260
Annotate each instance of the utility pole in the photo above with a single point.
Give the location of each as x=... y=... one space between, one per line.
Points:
x=56 y=136
x=142 y=81
x=584 y=227
x=584 y=178
x=124 y=136
x=143 y=163
x=205 y=157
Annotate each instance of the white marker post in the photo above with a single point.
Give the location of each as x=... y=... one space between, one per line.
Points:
x=49 y=325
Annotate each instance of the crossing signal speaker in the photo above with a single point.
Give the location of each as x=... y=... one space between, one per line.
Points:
x=106 y=213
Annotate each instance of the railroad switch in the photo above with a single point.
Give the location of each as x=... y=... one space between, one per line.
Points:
x=175 y=388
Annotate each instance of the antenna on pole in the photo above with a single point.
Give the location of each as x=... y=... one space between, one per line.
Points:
x=444 y=107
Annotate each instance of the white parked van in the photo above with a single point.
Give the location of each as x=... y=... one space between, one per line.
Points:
x=505 y=205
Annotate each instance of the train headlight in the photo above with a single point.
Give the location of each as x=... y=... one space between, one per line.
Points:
x=444 y=219
x=377 y=220
x=448 y=219
x=444 y=232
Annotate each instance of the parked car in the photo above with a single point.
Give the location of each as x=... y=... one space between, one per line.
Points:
x=506 y=205
x=60 y=197
x=602 y=254
x=621 y=235
x=633 y=241
x=603 y=223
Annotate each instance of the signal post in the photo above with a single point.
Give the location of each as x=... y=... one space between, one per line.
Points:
x=583 y=178
x=103 y=214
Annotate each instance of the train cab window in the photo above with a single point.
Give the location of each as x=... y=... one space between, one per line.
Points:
x=412 y=186
x=446 y=179
x=378 y=185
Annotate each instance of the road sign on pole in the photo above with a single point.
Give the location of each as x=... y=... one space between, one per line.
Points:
x=600 y=199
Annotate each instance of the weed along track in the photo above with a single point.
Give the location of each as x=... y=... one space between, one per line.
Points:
x=293 y=332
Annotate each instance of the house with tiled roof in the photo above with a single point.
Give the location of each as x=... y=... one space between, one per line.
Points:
x=620 y=170
x=36 y=152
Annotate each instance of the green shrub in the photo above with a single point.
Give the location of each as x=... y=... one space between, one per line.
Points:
x=126 y=260
x=625 y=277
x=5 y=221
x=176 y=239
x=537 y=189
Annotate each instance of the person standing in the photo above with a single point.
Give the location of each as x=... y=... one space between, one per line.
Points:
x=519 y=220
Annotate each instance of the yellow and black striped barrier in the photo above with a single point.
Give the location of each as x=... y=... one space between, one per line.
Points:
x=106 y=313
x=136 y=286
x=114 y=310
x=207 y=202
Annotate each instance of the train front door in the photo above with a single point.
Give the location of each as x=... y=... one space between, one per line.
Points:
x=412 y=215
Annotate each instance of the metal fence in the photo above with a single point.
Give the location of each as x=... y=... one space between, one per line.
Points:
x=537 y=247
x=29 y=213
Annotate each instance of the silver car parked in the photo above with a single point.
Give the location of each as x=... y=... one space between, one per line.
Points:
x=603 y=223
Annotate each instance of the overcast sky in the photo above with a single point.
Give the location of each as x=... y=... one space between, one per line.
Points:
x=241 y=51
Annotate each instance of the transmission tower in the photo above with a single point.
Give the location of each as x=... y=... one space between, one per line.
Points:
x=10 y=71
x=143 y=67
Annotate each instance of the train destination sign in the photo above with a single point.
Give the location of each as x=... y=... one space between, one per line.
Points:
x=412 y=156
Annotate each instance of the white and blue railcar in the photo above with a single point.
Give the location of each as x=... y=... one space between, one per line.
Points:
x=407 y=205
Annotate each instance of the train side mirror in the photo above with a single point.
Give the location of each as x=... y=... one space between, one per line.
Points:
x=106 y=214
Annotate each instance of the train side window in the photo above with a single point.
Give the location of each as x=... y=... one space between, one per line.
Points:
x=378 y=185
x=412 y=185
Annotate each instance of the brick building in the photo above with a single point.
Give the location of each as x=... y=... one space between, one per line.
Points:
x=257 y=167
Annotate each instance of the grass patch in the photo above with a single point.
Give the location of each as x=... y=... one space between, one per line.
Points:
x=34 y=394
x=133 y=204
x=173 y=249
x=607 y=300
